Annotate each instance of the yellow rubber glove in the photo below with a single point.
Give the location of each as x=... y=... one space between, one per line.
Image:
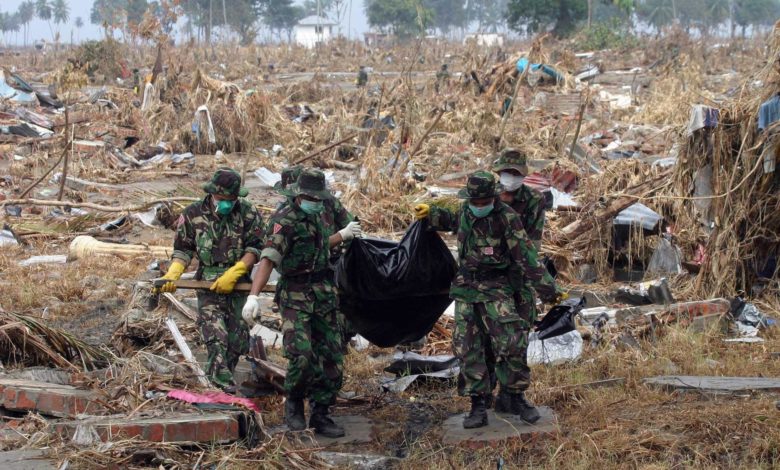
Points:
x=175 y=270
x=561 y=297
x=227 y=281
x=421 y=211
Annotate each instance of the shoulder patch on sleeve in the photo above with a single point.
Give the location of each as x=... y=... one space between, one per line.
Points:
x=277 y=228
x=180 y=221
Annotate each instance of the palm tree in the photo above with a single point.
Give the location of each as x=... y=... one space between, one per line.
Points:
x=43 y=10
x=15 y=25
x=79 y=25
x=26 y=14
x=61 y=13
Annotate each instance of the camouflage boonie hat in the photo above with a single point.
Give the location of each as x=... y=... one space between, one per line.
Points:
x=310 y=183
x=225 y=182
x=289 y=176
x=481 y=184
x=511 y=159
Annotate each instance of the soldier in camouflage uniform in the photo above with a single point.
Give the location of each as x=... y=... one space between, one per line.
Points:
x=494 y=257
x=512 y=168
x=335 y=214
x=298 y=244
x=225 y=233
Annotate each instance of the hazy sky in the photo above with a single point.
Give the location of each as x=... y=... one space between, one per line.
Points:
x=40 y=29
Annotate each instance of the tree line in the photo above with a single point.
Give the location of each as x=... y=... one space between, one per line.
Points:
x=54 y=12
x=563 y=17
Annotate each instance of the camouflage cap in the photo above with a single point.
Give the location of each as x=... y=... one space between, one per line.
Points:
x=289 y=176
x=481 y=184
x=225 y=182
x=310 y=183
x=511 y=159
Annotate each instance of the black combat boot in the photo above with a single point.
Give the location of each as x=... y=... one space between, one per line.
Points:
x=322 y=423
x=477 y=417
x=524 y=409
x=503 y=402
x=293 y=414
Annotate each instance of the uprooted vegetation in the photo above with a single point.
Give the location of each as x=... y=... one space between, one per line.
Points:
x=129 y=150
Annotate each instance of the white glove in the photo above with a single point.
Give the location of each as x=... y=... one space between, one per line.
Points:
x=351 y=231
x=251 y=309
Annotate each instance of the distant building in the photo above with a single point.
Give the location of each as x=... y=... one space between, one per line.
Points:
x=485 y=39
x=374 y=39
x=313 y=30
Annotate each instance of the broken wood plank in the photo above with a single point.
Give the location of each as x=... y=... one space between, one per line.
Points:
x=712 y=384
x=181 y=343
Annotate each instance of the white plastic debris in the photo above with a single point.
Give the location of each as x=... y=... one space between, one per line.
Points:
x=360 y=343
x=196 y=125
x=561 y=199
x=556 y=350
x=148 y=218
x=267 y=177
x=44 y=259
x=7 y=238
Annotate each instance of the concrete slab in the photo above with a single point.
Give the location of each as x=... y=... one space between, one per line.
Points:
x=358 y=431
x=501 y=427
x=26 y=460
x=710 y=384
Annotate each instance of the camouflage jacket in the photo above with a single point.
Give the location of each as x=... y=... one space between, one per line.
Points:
x=530 y=205
x=298 y=246
x=334 y=215
x=494 y=253
x=217 y=241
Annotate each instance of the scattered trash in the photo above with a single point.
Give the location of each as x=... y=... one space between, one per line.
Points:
x=409 y=367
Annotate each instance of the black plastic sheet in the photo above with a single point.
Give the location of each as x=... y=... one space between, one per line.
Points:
x=394 y=292
x=560 y=319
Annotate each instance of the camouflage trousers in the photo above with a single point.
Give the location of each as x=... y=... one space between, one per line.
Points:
x=490 y=327
x=525 y=304
x=314 y=348
x=224 y=332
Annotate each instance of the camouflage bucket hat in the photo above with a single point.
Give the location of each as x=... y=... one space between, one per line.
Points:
x=511 y=159
x=225 y=182
x=481 y=184
x=289 y=176
x=310 y=183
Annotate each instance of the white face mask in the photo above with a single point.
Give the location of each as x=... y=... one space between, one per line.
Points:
x=510 y=182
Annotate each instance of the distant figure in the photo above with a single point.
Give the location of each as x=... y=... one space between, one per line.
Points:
x=362 y=78
x=442 y=77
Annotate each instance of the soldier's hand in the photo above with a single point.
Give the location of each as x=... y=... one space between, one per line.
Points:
x=175 y=270
x=251 y=311
x=227 y=281
x=352 y=230
x=421 y=211
x=560 y=297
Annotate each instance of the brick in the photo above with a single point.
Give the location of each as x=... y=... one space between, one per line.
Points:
x=26 y=399
x=62 y=401
x=154 y=432
x=182 y=427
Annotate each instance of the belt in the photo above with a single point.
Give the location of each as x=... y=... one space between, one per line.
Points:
x=309 y=278
x=486 y=275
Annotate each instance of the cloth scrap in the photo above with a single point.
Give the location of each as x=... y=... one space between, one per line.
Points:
x=769 y=112
x=702 y=117
x=213 y=397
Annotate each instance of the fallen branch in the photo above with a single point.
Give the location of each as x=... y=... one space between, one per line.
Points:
x=314 y=154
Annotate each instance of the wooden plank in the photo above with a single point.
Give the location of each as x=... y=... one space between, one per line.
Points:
x=714 y=384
